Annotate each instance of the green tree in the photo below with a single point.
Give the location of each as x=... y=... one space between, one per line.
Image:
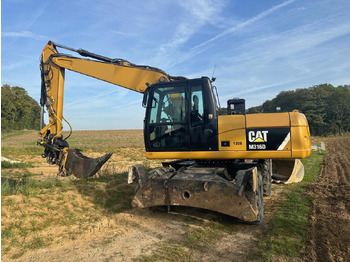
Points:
x=326 y=107
x=337 y=114
x=18 y=109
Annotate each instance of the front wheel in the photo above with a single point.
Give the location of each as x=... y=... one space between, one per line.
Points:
x=267 y=177
x=260 y=199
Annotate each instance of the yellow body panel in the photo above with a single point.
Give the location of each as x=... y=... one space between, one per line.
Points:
x=234 y=128
x=267 y=120
x=55 y=92
x=225 y=155
x=301 y=146
x=128 y=77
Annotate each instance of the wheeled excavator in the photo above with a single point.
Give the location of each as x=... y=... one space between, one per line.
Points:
x=223 y=163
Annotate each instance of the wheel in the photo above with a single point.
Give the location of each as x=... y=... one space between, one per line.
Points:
x=260 y=199
x=266 y=177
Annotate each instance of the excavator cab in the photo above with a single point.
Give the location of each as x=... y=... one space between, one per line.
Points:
x=181 y=116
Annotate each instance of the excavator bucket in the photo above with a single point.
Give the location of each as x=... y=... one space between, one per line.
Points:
x=287 y=171
x=82 y=166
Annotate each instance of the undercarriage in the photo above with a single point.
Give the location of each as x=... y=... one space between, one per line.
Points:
x=234 y=188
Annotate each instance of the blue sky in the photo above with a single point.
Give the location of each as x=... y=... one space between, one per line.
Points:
x=258 y=48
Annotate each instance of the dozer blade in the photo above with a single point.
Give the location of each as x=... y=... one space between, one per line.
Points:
x=287 y=170
x=82 y=166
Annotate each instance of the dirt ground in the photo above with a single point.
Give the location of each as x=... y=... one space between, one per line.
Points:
x=329 y=236
x=131 y=234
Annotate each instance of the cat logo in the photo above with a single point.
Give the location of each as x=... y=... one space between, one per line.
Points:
x=257 y=136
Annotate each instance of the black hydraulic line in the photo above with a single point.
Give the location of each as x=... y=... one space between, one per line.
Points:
x=43 y=96
x=117 y=61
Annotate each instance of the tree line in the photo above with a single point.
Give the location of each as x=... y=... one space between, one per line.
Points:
x=327 y=108
x=18 y=110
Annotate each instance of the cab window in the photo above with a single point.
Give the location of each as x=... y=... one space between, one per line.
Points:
x=197 y=106
x=167 y=122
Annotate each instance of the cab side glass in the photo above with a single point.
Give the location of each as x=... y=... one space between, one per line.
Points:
x=197 y=106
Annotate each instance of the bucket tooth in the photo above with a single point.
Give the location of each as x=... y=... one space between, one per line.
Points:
x=82 y=166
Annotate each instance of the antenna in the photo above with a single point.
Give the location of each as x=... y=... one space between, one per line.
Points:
x=212 y=77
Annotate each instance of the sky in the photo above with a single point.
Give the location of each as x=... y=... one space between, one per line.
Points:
x=254 y=48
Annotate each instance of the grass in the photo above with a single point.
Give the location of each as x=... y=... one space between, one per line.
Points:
x=26 y=185
x=33 y=206
x=169 y=251
x=9 y=165
x=23 y=143
x=193 y=240
x=22 y=151
x=10 y=134
x=107 y=191
x=285 y=234
x=202 y=237
x=20 y=143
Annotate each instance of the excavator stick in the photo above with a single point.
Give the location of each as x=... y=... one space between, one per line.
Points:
x=287 y=171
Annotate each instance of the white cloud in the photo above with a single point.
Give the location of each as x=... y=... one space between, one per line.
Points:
x=196 y=14
x=25 y=34
x=210 y=13
x=246 y=23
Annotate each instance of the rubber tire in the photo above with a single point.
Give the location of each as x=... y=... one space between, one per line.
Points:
x=267 y=179
x=260 y=199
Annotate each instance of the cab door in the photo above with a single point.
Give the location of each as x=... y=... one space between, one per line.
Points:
x=181 y=116
x=202 y=124
x=166 y=126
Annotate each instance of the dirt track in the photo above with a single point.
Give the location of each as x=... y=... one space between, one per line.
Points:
x=129 y=235
x=329 y=237
x=136 y=233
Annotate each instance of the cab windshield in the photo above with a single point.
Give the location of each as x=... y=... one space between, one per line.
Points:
x=167 y=119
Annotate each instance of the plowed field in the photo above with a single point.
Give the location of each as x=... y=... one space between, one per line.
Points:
x=329 y=237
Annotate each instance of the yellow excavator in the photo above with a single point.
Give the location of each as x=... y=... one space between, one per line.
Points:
x=223 y=163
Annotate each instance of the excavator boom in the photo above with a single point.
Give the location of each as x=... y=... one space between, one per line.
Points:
x=116 y=71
